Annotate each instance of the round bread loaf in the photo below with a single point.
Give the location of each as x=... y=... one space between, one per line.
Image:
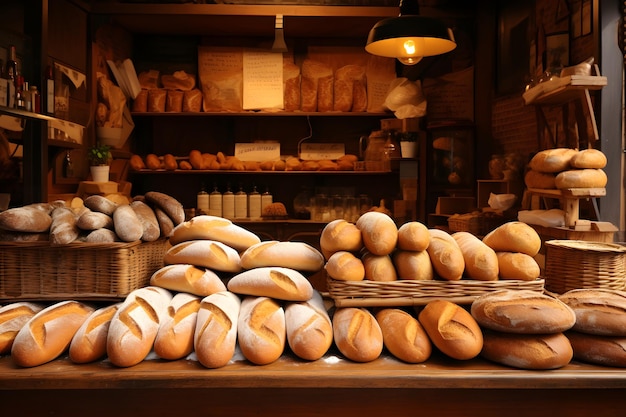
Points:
x=481 y=262
x=309 y=328
x=445 y=255
x=517 y=265
x=90 y=341
x=206 y=253
x=172 y=207
x=215 y=228
x=344 y=266
x=589 y=158
x=413 y=265
x=149 y=222
x=13 y=317
x=451 y=329
x=174 y=339
x=378 y=267
x=261 y=330
x=523 y=312
x=599 y=350
x=340 y=235
x=514 y=237
x=527 y=351
x=541 y=180
x=100 y=204
x=379 y=232
x=275 y=282
x=581 y=178
x=188 y=278
x=413 y=236
x=295 y=255
x=598 y=311
x=127 y=225
x=552 y=160
x=403 y=335
x=357 y=334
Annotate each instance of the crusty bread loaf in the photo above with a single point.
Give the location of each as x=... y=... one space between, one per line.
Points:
x=215 y=337
x=179 y=80
x=598 y=311
x=481 y=262
x=126 y=223
x=527 y=351
x=93 y=220
x=192 y=100
x=340 y=235
x=288 y=254
x=445 y=255
x=379 y=232
x=214 y=228
x=90 y=341
x=552 y=160
x=581 y=178
x=451 y=329
x=149 y=222
x=261 y=330
x=188 y=278
x=588 y=158
x=156 y=100
x=166 y=225
x=134 y=327
x=291 y=86
x=174 y=339
x=309 y=329
x=541 y=180
x=174 y=102
x=207 y=253
x=357 y=334
x=413 y=265
x=522 y=311
x=403 y=335
x=48 y=333
x=597 y=349
x=514 y=237
x=517 y=265
x=172 y=207
x=312 y=71
x=100 y=204
x=379 y=267
x=140 y=103
x=102 y=236
x=275 y=282
x=343 y=89
x=413 y=236
x=63 y=229
x=25 y=219
x=345 y=266
x=13 y=317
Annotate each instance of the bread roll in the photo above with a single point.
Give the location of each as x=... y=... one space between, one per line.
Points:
x=48 y=333
x=261 y=330
x=100 y=204
x=172 y=207
x=127 y=224
x=481 y=262
x=344 y=266
x=413 y=236
x=379 y=267
x=598 y=311
x=215 y=337
x=156 y=100
x=214 y=228
x=357 y=334
x=102 y=236
x=451 y=329
x=204 y=253
x=527 y=351
x=379 y=232
x=522 y=311
x=516 y=265
x=174 y=339
x=581 y=178
x=295 y=255
x=25 y=219
x=541 y=180
x=13 y=317
x=93 y=220
x=134 y=327
x=63 y=229
x=403 y=335
x=149 y=222
x=588 y=159
x=413 y=265
x=309 y=329
x=514 y=237
x=340 y=235
x=552 y=160
x=599 y=350
x=90 y=341
x=275 y=282
x=188 y=278
x=445 y=255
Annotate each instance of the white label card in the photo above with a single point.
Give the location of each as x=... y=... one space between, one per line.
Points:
x=259 y=152
x=320 y=151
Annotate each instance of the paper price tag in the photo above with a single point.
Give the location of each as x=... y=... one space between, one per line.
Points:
x=320 y=151
x=268 y=151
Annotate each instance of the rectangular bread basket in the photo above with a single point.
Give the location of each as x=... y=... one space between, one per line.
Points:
x=79 y=271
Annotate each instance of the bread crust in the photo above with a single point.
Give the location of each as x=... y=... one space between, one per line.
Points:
x=295 y=255
x=357 y=334
x=309 y=328
x=379 y=232
x=174 y=339
x=597 y=349
x=345 y=266
x=598 y=311
x=188 y=278
x=514 y=236
x=481 y=262
x=403 y=335
x=215 y=337
x=204 y=253
x=261 y=330
x=275 y=282
x=413 y=265
x=445 y=255
x=90 y=341
x=214 y=228
x=12 y=318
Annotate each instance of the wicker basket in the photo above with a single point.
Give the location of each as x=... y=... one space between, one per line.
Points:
x=476 y=224
x=572 y=264
x=79 y=271
x=414 y=292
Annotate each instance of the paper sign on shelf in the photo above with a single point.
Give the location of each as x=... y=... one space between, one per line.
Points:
x=77 y=78
x=262 y=80
x=321 y=151
x=260 y=152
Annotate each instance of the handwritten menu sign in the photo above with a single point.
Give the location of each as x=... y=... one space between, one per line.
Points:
x=220 y=71
x=319 y=151
x=266 y=151
x=262 y=80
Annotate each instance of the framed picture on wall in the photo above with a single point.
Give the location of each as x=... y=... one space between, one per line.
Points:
x=557 y=50
x=515 y=26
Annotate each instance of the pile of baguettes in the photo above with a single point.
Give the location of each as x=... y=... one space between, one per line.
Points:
x=224 y=289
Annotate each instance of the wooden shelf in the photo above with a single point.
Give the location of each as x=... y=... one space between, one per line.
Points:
x=571 y=198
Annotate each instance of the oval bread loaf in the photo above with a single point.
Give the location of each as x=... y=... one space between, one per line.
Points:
x=295 y=255
x=261 y=330
x=445 y=255
x=309 y=328
x=166 y=225
x=378 y=267
x=481 y=262
x=214 y=228
x=598 y=311
x=541 y=180
x=344 y=266
x=172 y=207
x=403 y=335
x=552 y=160
x=514 y=237
x=357 y=334
x=597 y=349
x=589 y=158
x=413 y=236
x=340 y=235
x=517 y=265
x=126 y=223
x=215 y=337
x=581 y=178
x=63 y=229
x=188 y=278
x=13 y=317
x=379 y=232
x=149 y=222
x=93 y=220
x=275 y=282
x=207 y=253
x=413 y=265
x=90 y=341
x=100 y=204
x=527 y=351
x=174 y=339
x=102 y=236
x=25 y=219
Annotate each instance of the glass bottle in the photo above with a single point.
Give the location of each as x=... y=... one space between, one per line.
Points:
x=254 y=204
x=241 y=204
x=266 y=199
x=202 y=202
x=49 y=91
x=228 y=204
x=215 y=203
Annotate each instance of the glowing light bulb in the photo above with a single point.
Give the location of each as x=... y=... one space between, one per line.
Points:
x=410 y=60
x=409 y=47
x=410 y=50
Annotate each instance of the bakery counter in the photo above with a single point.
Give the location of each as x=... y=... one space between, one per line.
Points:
x=329 y=386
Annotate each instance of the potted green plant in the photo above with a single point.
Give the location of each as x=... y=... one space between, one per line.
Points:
x=99 y=157
x=408 y=144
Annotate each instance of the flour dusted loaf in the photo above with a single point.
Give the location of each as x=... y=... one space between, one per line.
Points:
x=171 y=206
x=288 y=254
x=204 y=253
x=403 y=335
x=357 y=334
x=90 y=341
x=413 y=236
x=126 y=223
x=589 y=158
x=345 y=266
x=149 y=222
x=379 y=232
x=523 y=312
x=413 y=265
x=188 y=278
x=541 y=180
x=31 y=219
x=514 y=237
x=552 y=160
x=445 y=255
x=309 y=328
x=481 y=262
x=517 y=265
x=261 y=330
x=100 y=204
x=527 y=351
x=379 y=267
x=276 y=282
x=174 y=339
x=63 y=229
x=340 y=235
x=598 y=349
x=13 y=317
x=214 y=228
x=598 y=311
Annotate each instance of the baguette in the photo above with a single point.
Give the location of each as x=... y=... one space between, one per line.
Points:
x=514 y=237
x=188 y=278
x=48 y=333
x=295 y=255
x=214 y=228
x=357 y=334
x=90 y=341
x=149 y=222
x=413 y=265
x=379 y=231
x=403 y=335
x=445 y=255
x=166 y=225
x=481 y=262
x=100 y=204
x=204 y=253
x=598 y=311
x=344 y=266
x=261 y=330
x=174 y=339
x=215 y=337
x=94 y=220
x=340 y=235
x=12 y=318
x=309 y=329
x=275 y=282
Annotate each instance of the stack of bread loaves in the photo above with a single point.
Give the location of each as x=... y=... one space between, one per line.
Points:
x=563 y=168
x=599 y=335
x=524 y=329
x=176 y=92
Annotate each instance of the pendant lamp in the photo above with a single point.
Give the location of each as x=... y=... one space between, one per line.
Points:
x=409 y=37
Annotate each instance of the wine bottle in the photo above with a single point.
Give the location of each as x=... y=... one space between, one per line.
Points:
x=49 y=92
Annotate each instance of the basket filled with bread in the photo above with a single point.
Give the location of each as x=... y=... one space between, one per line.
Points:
x=91 y=249
x=375 y=263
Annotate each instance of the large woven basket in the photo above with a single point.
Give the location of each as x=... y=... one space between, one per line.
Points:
x=79 y=271
x=415 y=292
x=572 y=264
